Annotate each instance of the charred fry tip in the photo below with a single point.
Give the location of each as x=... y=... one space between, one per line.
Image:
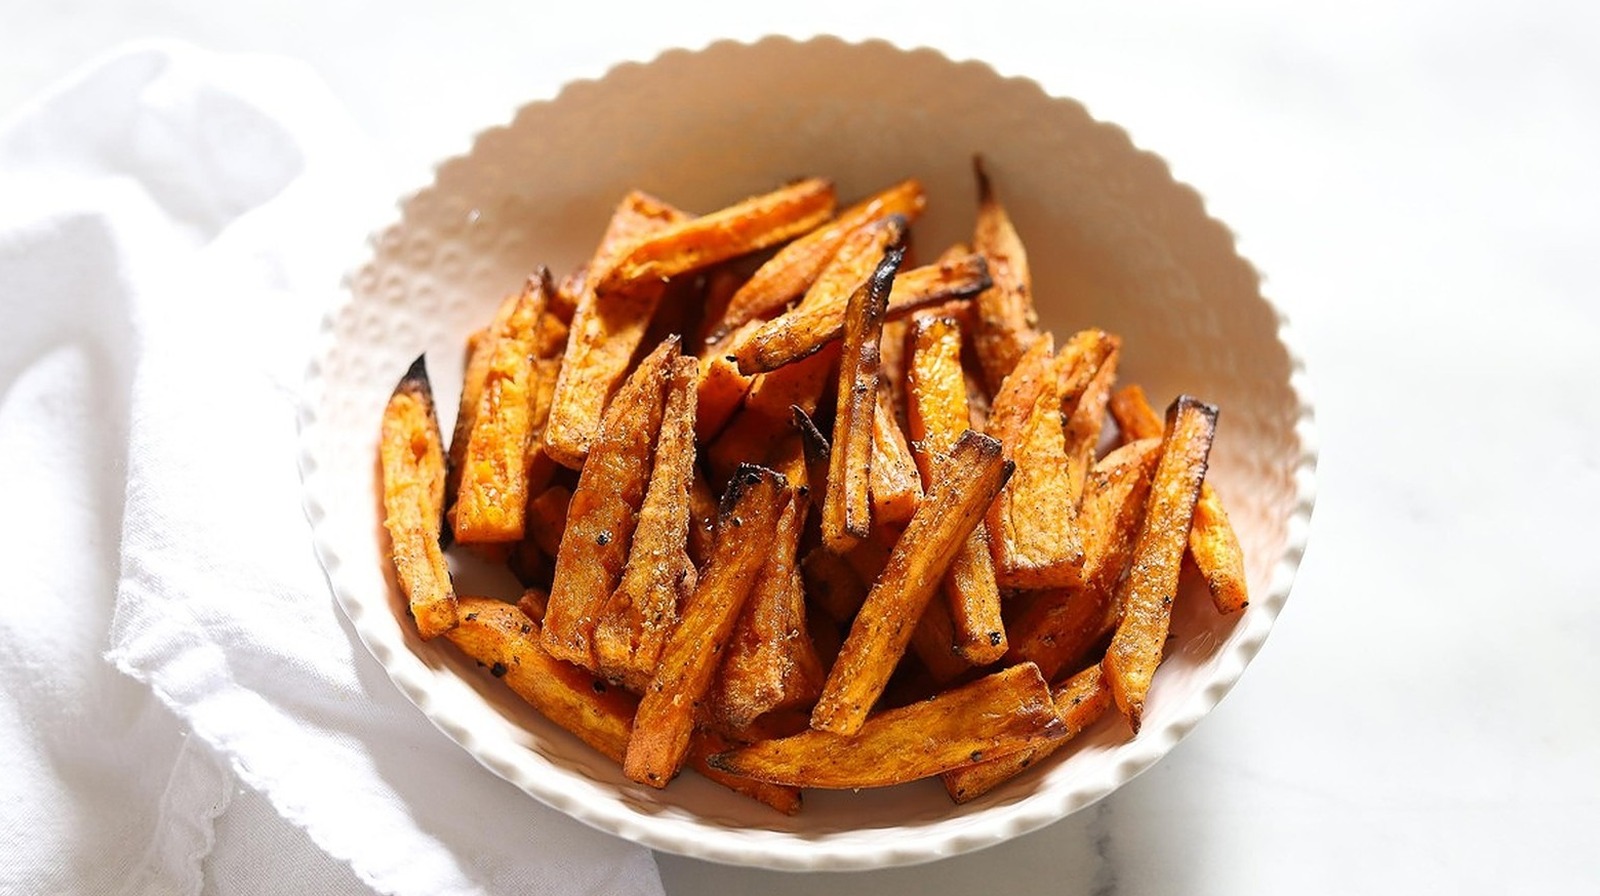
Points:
x=812 y=440
x=416 y=377
x=985 y=444
x=1189 y=401
x=746 y=476
x=981 y=175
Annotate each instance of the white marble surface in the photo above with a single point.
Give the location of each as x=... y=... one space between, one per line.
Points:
x=1419 y=186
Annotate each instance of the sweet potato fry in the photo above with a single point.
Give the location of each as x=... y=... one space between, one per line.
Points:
x=702 y=520
x=1033 y=532
x=706 y=744
x=533 y=603
x=996 y=715
x=847 y=511
x=1147 y=593
x=806 y=329
x=635 y=622
x=503 y=638
x=895 y=487
x=474 y=372
x=761 y=432
x=493 y=493
x=722 y=388
x=1018 y=395
x=547 y=518
x=938 y=413
x=770 y=662
x=790 y=273
x=1084 y=409
x=1079 y=703
x=1059 y=627
x=607 y=329
x=604 y=509
x=739 y=229
x=411 y=454
x=948 y=513
x=747 y=519
x=1212 y=542
x=1005 y=323
x=833 y=584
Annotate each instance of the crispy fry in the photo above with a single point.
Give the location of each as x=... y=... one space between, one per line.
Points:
x=895 y=487
x=702 y=520
x=643 y=610
x=706 y=744
x=607 y=328
x=937 y=409
x=761 y=432
x=1085 y=392
x=999 y=714
x=847 y=511
x=504 y=639
x=722 y=388
x=1079 y=703
x=739 y=229
x=411 y=452
x=474 y=372
x=604 y=509
x=806 y=329
x=493 y=492
x=1212 y=541
x=789 y=273
x=747 y=519
x=1061 y=626
x=1014 y=403
x=1005 y=323
x=1033 y=532
x=1147 y=593
x=948 y=513
x=770 y=662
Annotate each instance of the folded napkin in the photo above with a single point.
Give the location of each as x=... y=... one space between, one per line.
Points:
x=172 y=226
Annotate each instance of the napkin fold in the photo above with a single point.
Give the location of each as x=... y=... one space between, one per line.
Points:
x=173 y=224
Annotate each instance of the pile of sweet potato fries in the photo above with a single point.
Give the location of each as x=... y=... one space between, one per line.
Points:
x=796 y=511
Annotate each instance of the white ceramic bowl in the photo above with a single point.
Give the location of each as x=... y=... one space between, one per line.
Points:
x=1113 y=240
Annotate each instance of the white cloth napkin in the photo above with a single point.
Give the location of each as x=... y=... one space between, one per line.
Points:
x=172 y=225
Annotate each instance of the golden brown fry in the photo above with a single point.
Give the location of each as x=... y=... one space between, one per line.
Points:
x=1212 y=541
x=796 y=266
x=706 y=744
x=938 y=413
x=999 y=714
x=504 y=639
x=411 y=454
x=474 y=372
x=1086 y=389
x=1079 y=703
x=493 y=493
x=747 y=520
x=948 y=513
x=1147 y=593
x=847 y=512
x=895 y=487
x=1033 y=532
x=722 y=388
x=533 y=603
x=770 y=662
x=1014 y=403
x=1061 y=626
x=761 y=432
x=858 y=254
x=636 y=620
x=806 y=329
x=739 y=229
x=1005 y=323
x=605 y=507
x=607 y=328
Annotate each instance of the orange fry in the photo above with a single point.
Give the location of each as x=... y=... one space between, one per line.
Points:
x=1033 y=533
x=1152 y=583
x=747 y=520
x=739 y=229
x=1005 y=323
x=493 y=493
x=996 y=715
x=505 y=640
x=411 y=454
x=948 y=513
x=605 y=507
x=607 y=328
x=895 y=487
x=1079 y=703
x=796 y=266
x=640 y=614
x=1212 y=542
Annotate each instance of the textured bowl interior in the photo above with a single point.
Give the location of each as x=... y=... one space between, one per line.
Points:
x=1114 y=242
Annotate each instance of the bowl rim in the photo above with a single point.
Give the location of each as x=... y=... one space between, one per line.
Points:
x=782 y=851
